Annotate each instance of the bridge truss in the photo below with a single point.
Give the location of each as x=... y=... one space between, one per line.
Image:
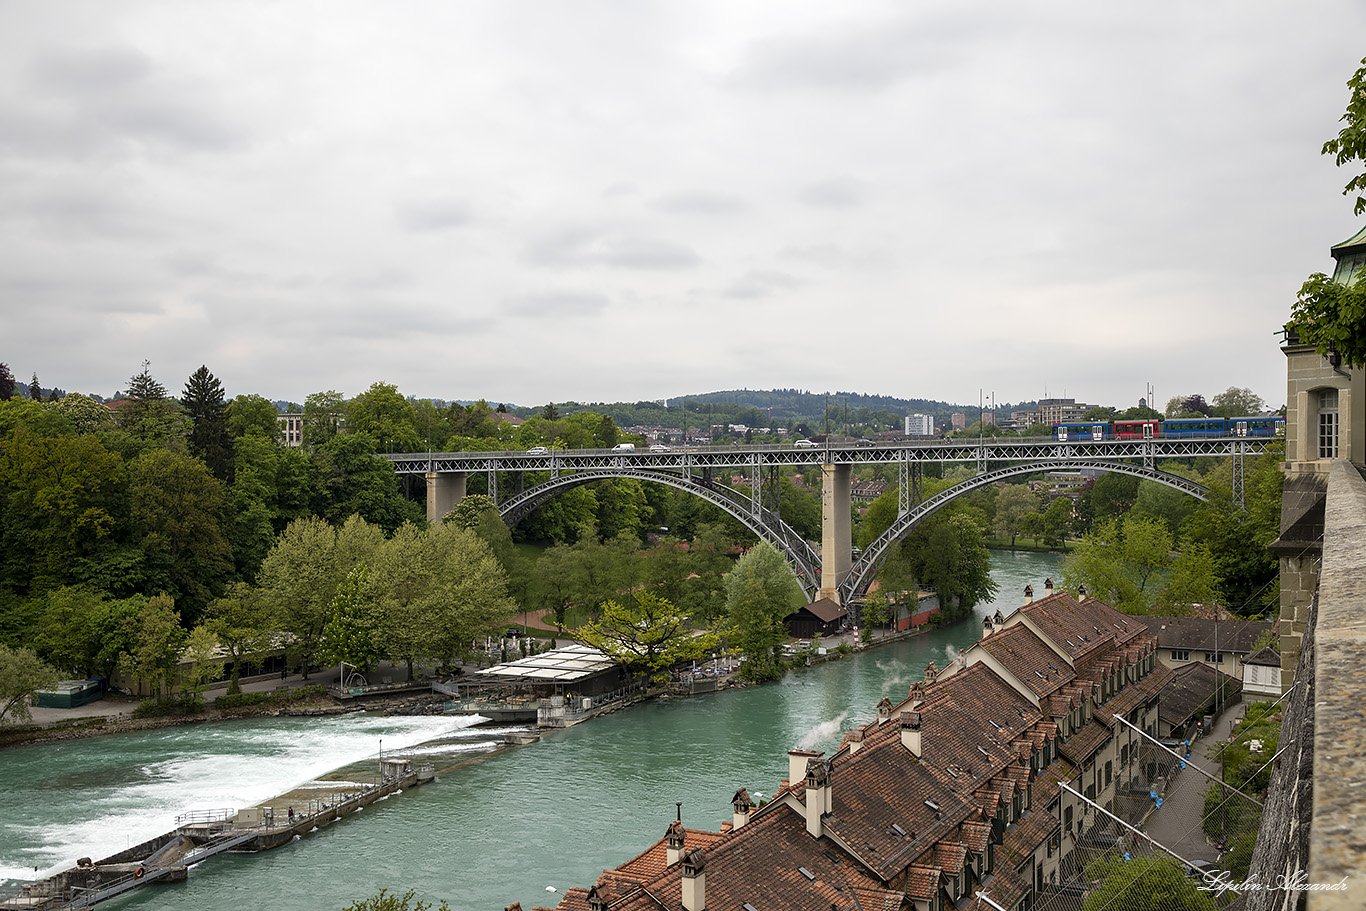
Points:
x=694 y=470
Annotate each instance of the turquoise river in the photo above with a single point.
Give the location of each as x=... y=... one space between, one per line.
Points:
x=498 y=825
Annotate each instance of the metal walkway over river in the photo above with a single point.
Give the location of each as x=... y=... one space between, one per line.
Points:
x=519 y=482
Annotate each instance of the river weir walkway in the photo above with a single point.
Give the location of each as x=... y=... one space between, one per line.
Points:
x=201 y=835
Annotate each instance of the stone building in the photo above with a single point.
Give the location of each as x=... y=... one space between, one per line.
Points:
x=1325 y=420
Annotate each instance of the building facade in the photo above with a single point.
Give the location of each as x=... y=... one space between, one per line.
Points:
x=919 y=425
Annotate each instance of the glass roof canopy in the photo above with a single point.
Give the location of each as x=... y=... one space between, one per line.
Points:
x=560 y=665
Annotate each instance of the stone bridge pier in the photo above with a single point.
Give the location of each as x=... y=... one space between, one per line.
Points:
x=444 y=490
x=837 y=545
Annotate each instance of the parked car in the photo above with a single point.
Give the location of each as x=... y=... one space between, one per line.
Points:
x=804 y=444
x=538 y=450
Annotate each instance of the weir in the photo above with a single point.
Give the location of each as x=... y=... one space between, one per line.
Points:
x=199 y=836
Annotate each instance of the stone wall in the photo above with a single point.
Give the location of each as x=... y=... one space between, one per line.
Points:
x=1315 y=810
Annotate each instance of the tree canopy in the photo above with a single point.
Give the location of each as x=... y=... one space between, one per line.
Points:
x=1350 y=143
x=648 y=634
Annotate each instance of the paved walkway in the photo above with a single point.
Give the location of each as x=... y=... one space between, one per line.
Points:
x=1176 y=825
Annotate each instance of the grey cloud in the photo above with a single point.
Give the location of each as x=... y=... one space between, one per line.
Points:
x=98 y=96
x=581 y=246
x=96 y=69
x=862 y=56
x=834 y=193
x=645 y=253
x=700 y=203
x=821 y=254
x=758 y=283
x=570 y=304
x=434 y=215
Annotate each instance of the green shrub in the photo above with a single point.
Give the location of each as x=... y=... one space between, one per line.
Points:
x=188 y=704
x=274 y=698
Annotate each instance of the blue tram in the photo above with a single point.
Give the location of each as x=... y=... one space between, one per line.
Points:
x=1170 y=428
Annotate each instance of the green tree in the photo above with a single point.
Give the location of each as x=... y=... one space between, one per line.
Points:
x=351 y=481
x=1330 y=315
x=469 y=512
x=386 y=416
x=1147 y=883
x=353 y=631
x=760 y=593
x=174 y=516
x=148 y=415
x=439 y=588
x=648 y=634
x=86 y=414
x=35 y=391
x=208 y=414
x=201 y=654
x=253 y=415
x=1237 y=537
x=383 y=901
x=157 y=641
x=952 y=560
x=1013 y=503
x=1237 y=402
x=61 y=511
x=241 y=622
x=303 y=571
x=1129 y=564
x=324 y=417
x=21 y=673
x=1350 y=144
x=6 y=383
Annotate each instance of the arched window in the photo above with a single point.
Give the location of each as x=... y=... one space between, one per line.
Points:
x=1328 y=423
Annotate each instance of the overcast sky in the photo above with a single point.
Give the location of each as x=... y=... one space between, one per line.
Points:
x=603 y=201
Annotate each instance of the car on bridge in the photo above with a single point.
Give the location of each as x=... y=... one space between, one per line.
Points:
x=804 y=444
x=538 y=450
x=659 y=447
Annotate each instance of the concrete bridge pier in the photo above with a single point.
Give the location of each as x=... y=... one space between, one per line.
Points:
x=444 y=490
x=837 y=544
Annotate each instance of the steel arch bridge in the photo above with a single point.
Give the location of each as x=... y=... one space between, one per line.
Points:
x=691 y=470
x=861 y=574
x=751 y=512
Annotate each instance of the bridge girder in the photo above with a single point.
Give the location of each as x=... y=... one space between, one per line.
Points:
x=751 y=512
x=861 y=574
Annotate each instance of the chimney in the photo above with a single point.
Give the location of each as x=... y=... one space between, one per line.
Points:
x=987 y=626
x=1000 y=619
x=817 y=796
x=855 y=740
x=884 y=710
x=515 y=906
x=694 y=881
x=1047 y=587
x=1081 y=592
x=675 y=838
x=931 y=673
x=741 y=804
x=910 y=732
x=796 y=764
x=1029 y=594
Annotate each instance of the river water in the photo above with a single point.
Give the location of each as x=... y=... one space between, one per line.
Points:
x=498 y=825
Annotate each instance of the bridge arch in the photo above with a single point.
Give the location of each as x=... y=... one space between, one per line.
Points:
x=861 y=574
x=765 y=524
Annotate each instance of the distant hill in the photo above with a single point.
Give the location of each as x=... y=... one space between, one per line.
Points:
x=772 y=407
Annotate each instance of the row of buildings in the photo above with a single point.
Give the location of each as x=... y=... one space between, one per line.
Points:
x=956 y=788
